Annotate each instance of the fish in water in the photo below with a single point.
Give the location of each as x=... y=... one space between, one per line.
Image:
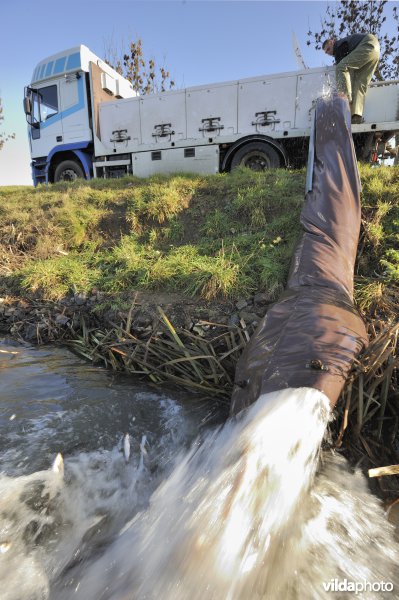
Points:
x=4 y=547
x=142 y=445
x=58 y=465
x=126 y=447
x=143 y=452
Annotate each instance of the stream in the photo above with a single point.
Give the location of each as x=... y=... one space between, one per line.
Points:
x=250 y=509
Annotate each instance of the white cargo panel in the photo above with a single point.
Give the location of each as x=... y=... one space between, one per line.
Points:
x=201 y=159
x=311 y=85
x=122 y=116
x=266 y=105
x=212 y=111
x=163 y=117
x=382 y=104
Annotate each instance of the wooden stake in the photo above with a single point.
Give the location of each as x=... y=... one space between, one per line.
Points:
x=380 y=471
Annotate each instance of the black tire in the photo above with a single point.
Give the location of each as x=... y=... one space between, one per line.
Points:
x=258 y=156
x=68 y=170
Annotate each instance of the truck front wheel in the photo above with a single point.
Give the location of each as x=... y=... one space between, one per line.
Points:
x=257 y=156
x=68 y=170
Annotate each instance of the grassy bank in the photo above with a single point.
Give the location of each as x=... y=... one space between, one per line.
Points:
x=83 y=250
x=211 y=237
x=214 y=237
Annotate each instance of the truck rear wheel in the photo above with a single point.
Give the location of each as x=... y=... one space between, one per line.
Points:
x=257 y=156
x=68 y=170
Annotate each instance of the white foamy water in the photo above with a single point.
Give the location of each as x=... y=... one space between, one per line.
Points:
x=247 y=512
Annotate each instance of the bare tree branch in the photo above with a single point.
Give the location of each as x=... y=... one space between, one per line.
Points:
x=145 y=76
x=4 y=137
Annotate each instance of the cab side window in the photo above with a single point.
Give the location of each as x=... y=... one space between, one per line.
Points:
x=48 y=102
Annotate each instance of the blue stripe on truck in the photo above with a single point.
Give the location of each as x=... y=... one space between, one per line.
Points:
x=73 y=61
x=49 y=68
x=59 y=65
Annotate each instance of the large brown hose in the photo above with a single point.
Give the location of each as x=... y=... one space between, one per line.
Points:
x=311 y=336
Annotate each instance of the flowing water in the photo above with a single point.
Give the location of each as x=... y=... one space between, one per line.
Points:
x=245 y=510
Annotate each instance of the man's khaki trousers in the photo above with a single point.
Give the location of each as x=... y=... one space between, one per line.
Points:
x=355 y=71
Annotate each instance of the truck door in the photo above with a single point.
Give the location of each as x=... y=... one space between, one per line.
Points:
x=45 y=123
x=75 y=115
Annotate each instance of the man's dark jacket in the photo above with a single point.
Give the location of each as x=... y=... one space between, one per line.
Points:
x=345 y=46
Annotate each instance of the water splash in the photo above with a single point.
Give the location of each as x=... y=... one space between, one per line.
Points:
x=243 y=514
x=216 y=526
x=328 y=88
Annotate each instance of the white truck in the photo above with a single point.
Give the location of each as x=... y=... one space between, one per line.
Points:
x=85 y=120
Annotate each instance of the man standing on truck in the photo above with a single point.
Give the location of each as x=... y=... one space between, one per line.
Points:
x=356 y=59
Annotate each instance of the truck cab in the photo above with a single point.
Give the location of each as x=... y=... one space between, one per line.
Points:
x=59 y=107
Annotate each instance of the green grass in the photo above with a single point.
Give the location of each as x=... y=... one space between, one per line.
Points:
x=218 y=236
x=380 y=210
x=56 y=277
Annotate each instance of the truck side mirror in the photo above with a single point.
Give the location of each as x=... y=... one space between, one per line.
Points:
x=27 y=105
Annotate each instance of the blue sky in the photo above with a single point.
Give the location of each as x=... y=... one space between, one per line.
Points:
x=199 y=41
